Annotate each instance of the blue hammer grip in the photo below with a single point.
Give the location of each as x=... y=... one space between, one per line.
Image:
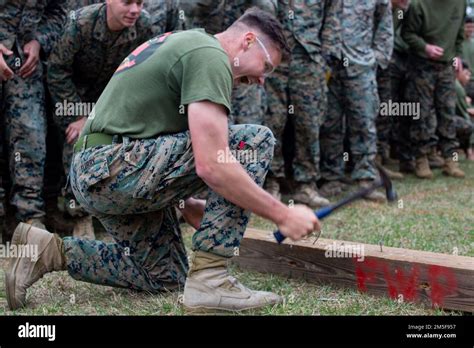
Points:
x=321 y=214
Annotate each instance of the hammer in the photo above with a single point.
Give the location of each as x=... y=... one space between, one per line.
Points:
x=383 y=181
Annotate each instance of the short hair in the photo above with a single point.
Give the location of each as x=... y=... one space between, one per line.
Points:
x=266 y=23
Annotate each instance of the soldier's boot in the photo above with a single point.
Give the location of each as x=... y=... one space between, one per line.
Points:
x=374 y=196
x=83 y=228
x=36 y=222
x=451 y=168
x=307 y=194
x=272 y=186
x=391 y=173
x=24 y=271
x=406 y=167
x=209 y=287
x=435 y=160
x=333 y=188
x=422 y=168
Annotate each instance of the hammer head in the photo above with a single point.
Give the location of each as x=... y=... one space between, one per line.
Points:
x=386 y=183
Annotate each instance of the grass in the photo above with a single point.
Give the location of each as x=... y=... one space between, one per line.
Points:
x=436 y=215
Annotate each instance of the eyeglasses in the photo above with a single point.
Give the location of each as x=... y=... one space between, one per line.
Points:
x=269 y=67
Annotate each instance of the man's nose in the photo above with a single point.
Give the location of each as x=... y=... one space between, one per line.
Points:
x=134 y=8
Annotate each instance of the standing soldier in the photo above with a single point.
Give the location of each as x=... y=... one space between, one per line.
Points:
x=28 y=30
x=434 y=30
x=367 y=43
x=391 y=84
x=298 y=89
x=96 y=40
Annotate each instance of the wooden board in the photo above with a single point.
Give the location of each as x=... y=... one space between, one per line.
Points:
x=435 y=279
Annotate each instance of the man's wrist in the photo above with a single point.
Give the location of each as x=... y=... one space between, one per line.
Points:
x=281 y=213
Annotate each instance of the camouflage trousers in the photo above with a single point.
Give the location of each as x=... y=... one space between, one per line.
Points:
x=133 y=187
x=391 y=84
x=353 y=106
x=431 y=84
x=464 y=131
x=25 y=126
x=298 y=90
x=248 y=104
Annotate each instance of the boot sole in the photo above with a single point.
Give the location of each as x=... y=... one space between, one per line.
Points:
x=216 y=311
x=454 y=176
x=19 y=238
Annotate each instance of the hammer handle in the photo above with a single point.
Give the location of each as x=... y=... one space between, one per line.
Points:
x=323 y=212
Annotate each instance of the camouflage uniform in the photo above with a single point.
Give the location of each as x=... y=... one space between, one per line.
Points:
x=298 y=87
x=391 y=85
x=164 y=15
x=73 y=5
x=132 y=187
x=24 y=99
x=353 y=101
x=249 y=102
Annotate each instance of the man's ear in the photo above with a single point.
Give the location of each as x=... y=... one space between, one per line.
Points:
x=249 y=40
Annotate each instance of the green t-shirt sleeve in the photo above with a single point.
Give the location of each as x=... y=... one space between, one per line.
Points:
x=204 y=74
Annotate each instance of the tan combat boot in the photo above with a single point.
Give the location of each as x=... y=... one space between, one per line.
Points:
x=209 y=287
x=23 y=271
x=272 y=186
x=307 y=194
x=391 y=173
x=83 y=228
x=422 y=168
x=374 y=196
x=451 y=168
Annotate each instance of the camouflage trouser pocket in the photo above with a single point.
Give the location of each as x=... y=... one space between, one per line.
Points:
x=172 y=159
x=94 y=168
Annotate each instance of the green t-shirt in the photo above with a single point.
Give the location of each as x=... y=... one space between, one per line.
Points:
x=149 y=92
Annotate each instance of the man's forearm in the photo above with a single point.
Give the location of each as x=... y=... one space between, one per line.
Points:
x=232 y=182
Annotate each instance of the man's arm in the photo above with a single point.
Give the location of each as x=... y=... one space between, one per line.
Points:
x=383 y=33
x=51 y=24
x=60 y=70
x=412 y=27
x=331 y=29
x=209 y=134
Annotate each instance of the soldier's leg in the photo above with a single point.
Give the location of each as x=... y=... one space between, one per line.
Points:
x=362 y=107
x=331 y=138
x=147 y=253
x=308 y=95
x=401 y=137
x=445 y=104
x=384 y=123
x=276 y=115
x=420 y=89
x=26 y=135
